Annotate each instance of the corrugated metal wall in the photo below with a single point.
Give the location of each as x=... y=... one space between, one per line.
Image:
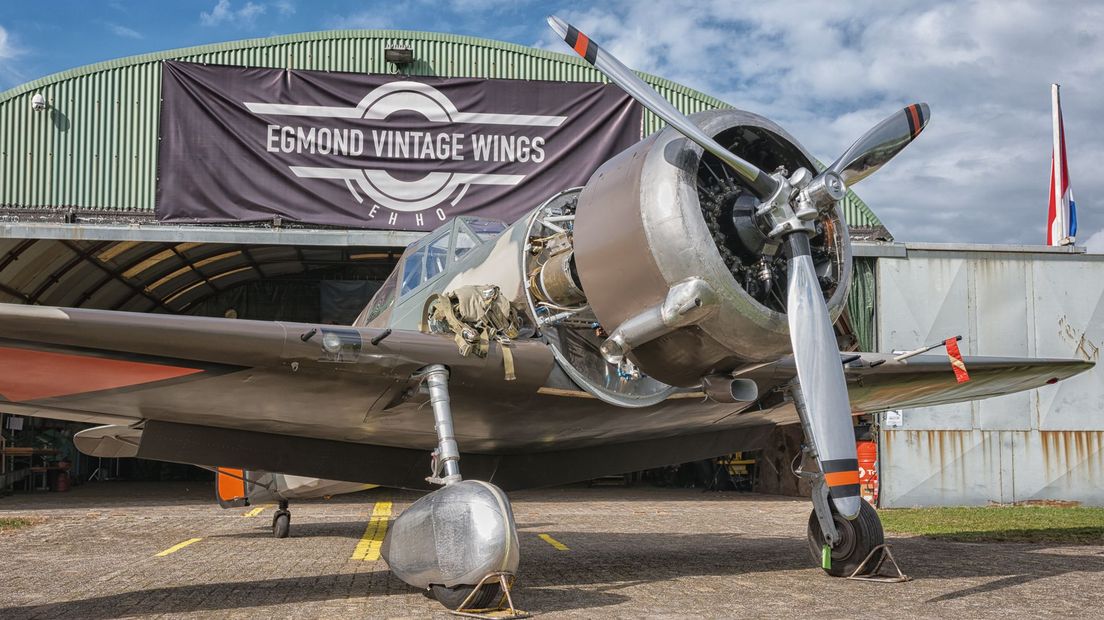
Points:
x=1045 y=444
x=95 y=148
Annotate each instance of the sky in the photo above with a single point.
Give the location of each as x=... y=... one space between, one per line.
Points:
x=824 y=71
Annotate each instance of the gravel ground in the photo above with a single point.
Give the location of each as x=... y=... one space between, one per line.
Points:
x=630 y=553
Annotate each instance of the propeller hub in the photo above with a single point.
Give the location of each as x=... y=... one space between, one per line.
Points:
x=785 y=212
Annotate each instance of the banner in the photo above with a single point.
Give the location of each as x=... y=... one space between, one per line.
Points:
x=244 y=144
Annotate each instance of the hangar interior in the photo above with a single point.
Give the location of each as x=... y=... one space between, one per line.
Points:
x=326 y=284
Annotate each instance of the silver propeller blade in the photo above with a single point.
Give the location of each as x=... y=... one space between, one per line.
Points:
x=881 y=143
x=761 y=184
x=820 y=378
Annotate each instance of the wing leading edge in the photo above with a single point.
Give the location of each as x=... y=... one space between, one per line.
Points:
x=927 y=380
x=60 y=363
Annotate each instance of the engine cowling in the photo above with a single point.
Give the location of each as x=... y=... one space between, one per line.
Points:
x=663 y=228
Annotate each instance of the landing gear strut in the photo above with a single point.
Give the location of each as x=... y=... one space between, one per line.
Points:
x=838 y=544
x=281 y=521
x=450 y=541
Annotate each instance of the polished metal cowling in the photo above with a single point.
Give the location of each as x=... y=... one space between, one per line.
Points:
x=639 y=233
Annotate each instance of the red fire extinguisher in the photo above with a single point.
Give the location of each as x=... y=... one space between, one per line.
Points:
x=868 y=470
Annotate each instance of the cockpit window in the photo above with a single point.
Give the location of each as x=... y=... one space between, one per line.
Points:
x=464 y=242
x=381 y=301
x=412 y=271
x=485 y=228
x=448 y=243
x=437 y=257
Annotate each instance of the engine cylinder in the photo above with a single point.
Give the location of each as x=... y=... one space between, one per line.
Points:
x=556 y=282
x=661 y=212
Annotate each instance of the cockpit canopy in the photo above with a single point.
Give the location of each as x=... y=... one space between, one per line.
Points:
x=426 y=259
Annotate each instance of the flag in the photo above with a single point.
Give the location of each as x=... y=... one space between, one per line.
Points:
x=1062 y=214
x=957 y=364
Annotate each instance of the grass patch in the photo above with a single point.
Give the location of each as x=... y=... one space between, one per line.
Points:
x=1032 y=524
x=10 y=524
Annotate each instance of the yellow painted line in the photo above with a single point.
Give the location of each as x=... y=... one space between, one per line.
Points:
x=175 y=548
x=552 y=541
x=368 y=549
x=258 y=510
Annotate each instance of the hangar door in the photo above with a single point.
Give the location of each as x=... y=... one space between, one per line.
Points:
x=1041 y=444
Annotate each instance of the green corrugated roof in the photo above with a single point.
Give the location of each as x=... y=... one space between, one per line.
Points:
x=95 y=149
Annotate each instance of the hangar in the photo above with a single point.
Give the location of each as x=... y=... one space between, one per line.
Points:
x=80 y=223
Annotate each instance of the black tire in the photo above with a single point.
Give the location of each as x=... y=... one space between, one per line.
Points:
x=857 y=539
x=281 y=525
x=452 y=597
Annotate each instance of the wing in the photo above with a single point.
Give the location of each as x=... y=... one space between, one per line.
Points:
x=875 y=382
x=118 y=368
x=927 y=380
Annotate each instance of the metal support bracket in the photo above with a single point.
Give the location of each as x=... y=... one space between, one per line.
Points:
x=446 y=458
x=823 y=510
x=506 y=580
x=822 y=505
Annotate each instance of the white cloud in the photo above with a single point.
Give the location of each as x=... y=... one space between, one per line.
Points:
x=827 y=72
x=368 y=20
x=122 y=31
x=284 y=7
x=7 y=47
x=1095 y=242
x=224 y=12
x=9 y=52
x=482 y=6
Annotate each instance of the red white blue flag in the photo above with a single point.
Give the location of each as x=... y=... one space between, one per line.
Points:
x=1062 y=215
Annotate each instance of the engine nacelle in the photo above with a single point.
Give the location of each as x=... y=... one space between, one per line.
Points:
x=675 y=266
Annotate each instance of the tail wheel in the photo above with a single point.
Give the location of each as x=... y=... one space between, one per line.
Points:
x=453 y=597
x=857 y=539
x=281 y=524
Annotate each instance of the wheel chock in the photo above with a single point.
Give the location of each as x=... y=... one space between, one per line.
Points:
x=506 y=580
x=876 y=575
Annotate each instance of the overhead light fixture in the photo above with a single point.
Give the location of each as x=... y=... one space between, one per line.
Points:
x=399 y=55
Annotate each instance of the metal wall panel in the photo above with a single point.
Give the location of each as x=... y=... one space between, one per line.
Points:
x=1069 y=308
x=1042 y=444
x=971 y=461
x=96 y=146
x=918 y=302
x=1066 y=465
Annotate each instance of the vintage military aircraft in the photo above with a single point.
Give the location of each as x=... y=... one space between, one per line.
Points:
x=677 y=307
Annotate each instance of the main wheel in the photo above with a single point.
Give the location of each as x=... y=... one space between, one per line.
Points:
x=453 y=597
x=857 y=539
x=281 y=525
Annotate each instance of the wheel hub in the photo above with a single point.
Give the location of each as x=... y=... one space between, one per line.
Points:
x=846 y=544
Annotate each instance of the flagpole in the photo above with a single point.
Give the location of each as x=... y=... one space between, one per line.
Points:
x=1059 y=227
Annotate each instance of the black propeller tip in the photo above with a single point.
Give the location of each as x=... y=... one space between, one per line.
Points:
x=918 y=115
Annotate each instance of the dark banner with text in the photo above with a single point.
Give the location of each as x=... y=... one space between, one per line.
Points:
x=243 y=144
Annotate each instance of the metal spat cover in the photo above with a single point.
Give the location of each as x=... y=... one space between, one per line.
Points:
x=639 y=231
x=454 y=536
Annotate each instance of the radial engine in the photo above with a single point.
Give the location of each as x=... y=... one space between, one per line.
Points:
x=660 y=266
